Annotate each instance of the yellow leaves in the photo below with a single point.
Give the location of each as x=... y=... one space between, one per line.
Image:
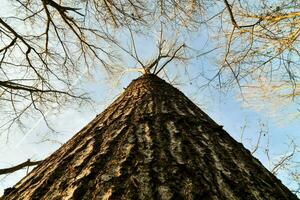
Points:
x=274 y=98
x=191 y=6
x=281 y=16
x=272 y=17
x=283 y=27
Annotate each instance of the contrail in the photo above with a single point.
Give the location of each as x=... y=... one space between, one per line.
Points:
x=45 y=114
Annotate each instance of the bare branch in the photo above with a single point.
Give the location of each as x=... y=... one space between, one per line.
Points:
x=27 y=163
x=233 y=21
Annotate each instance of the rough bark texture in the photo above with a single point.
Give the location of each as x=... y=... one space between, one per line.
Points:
x=151 y=143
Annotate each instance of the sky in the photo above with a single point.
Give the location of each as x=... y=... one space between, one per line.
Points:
x=224 y=107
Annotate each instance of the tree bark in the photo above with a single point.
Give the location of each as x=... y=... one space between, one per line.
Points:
x=151 y=143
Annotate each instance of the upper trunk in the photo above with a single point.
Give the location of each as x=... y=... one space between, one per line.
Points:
x=151 y=143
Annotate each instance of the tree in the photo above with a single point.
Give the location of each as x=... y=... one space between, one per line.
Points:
x=49 y=45
x=262 y=46
x=151 y=143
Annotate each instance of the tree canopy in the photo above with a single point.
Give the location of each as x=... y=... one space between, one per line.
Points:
x=46 y=44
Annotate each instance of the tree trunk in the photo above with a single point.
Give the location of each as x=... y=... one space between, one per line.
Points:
x=151 y=143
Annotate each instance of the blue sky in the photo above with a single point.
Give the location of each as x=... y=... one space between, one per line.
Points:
x=224 y=107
